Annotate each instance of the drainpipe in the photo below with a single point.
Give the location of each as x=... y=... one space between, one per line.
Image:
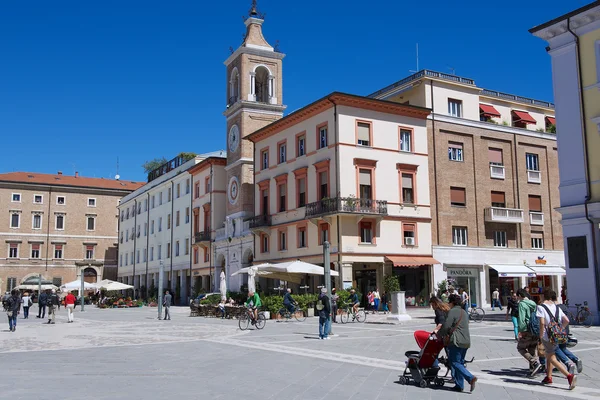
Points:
x=48 y=227
x=586 y=159
x=191 y=222
x=435 y=186
x=134 y=241
x=518 y=202
x=147 y=240
x=172 y=229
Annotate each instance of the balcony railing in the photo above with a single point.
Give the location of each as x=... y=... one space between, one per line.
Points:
x=497 y=171
x=512 y=97
x=498 y=214
x=220 y=234
x=203 y=236
x=534 y=176
x=346 y=205
x=259 y=221
x=536 y=218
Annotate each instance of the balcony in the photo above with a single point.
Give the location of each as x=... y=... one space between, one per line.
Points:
x=350 y=205
x=259 y=222
x=536 y=218
x=507 y=215
x=220 y=234
x=496 y=171
x=534 y=176
x=202 y=237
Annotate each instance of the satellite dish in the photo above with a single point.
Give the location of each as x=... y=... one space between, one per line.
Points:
x=117 y=176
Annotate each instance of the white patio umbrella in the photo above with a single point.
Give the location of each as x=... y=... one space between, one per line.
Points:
x=252 y=280
x=76 y=285
x=223 y=285
x=298 y=267
x=35 y=287
x=109 y=285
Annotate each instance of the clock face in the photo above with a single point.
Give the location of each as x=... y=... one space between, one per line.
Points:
x=234 y=138
x=234 y=190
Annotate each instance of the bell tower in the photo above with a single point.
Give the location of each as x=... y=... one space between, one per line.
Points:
x=254 y=95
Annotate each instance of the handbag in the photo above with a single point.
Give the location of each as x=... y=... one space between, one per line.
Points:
x=448 y=336
x=9 y=313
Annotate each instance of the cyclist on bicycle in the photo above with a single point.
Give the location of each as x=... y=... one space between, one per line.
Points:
x=288 y=301
x=354 y=301
x=253 y=302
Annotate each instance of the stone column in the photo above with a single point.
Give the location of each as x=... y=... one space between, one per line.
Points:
x=398 y=307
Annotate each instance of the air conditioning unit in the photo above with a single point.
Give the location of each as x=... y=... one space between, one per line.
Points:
x=409 y=241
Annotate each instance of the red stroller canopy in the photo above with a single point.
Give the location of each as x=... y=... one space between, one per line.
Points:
x=421 y=337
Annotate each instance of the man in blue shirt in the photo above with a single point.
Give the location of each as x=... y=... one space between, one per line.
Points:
x=354 y=301
x=288 y=301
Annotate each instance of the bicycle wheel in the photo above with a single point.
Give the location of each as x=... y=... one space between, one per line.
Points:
x=244 y=321
x=300 y=315
x=282 y=313
x=261 y=321
x=572 y=318
x=477 y=314
x=344 y=316
x=361 y=316
x=584 y=317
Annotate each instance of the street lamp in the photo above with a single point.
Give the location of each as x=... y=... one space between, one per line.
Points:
x=161 y=273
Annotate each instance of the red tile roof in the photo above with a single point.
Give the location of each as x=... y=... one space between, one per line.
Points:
x=69 y=180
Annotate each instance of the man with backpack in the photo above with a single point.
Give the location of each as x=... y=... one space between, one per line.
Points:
x=553 y=324
x=528 y=331
x=52 y=303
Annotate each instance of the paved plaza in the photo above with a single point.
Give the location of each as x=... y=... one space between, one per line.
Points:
x=129 y=354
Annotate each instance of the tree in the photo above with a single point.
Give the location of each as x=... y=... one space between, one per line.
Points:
x=187 y=156
x=151 y=165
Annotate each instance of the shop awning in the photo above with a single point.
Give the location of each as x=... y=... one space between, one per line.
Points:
x=489 y=111
x=523 y=116
x=548 y=270
x=408 y=261
x=512 y=271
x=551 y=120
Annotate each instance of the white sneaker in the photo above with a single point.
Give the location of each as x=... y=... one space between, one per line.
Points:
x=327 y=338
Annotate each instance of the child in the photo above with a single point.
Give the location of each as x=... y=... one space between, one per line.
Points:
x=222 y=307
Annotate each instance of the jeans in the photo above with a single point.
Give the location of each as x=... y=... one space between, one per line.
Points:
x=456 y=356
x=564 y=355
x=12 y=321
x=324 y=326
x=25 y=312
x=167 y=313
x=41 y=311
x=334 y=310
x=496 y=303
x=515 y=322
x=376 y=304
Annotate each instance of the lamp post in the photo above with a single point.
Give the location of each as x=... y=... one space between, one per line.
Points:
x=327 y=267
x=161 y=273
x=82 y=288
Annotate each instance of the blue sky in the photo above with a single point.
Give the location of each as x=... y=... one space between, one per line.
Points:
x=82 y=83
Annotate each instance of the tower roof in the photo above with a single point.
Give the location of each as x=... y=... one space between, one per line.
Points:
x=254 y=37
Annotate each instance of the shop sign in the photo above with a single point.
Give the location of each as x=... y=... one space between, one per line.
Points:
x=540 y=262
x=506 y=275
x=462 y=272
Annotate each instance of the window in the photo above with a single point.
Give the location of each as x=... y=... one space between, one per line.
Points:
x=38 y=199
x=35 y=250
x=91 y=202
x=91 y=223
x=363 y=133
x=301 y=146
x=127 y=215
x=405 y=140
x=495 y=156
x=187 y=215
x=535 y=203
x=145 y=229
x=177 y=218
x=455 y=108
x=137 y=257
x=196 y=190
x=15 y=220
x=121 y=240
x=264 y=156
x=195 y=255
x=139 y=206
x=455 y=151
x=323 y=233
x=187 y=247
x=37 y=221
x=152 y=227
x=160 y=223
x=151 y=253
x=458 y=196
x=366 y=232
x=122 y=216
x=302 y=237
x=160 y=199
x=138 y=231
x=498 y=199
x=153 y=198
x=58 y=251
x=159 y=255
x=127 y=235
x=207 y=184
x=408 y=234
x=408 y=194
x=178 y=190
x=126 y=259
x=323 y=185
x=301 y=192
x=168 y=250
x=13 y=250
x=322 y=136
x=537 y=240
x=144 y=255
x=16 y=198
x=168 y=221
x=282 y=241
x=187 y=186
x=282 y=197
x=11 y=283
x=364 y=184
x=532 y=162
x=145 y=205
x=499 y=239
x=60 y=222
x=60 y=200
x=177 y=248
x=459 y=236
x=265 y=202
x=169 y=195
x=89 y=252
x=264 y=243
x=282 y=153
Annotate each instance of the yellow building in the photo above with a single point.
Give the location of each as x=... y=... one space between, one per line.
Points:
x=574 y=46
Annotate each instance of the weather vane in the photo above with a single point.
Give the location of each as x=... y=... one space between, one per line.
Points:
x=254 y=13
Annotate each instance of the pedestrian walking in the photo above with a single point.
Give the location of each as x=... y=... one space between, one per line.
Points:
x=13 y=307
x=167 y=304
x=324 y=308
x=52 y=303
x=496 y=299
x=334 y=305
x=70 y=305
x=441 y=310
x=27 y=302
x=42 y=305
x=464 y=296
x=528 y=337
x=512 y=309
x=553 y=319
x=376 y=299
x=455 y=331
x=370 y=302
x=384 y=302
x=563 y=353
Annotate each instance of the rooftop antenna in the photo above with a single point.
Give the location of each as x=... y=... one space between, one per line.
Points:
x=452 y=70
x=117 y=176
x=417 y=61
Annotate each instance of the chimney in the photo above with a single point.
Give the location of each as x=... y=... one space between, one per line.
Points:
x=60 y=172
x=76 y=174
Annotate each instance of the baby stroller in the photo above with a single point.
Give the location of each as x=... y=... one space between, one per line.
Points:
x=423 y=366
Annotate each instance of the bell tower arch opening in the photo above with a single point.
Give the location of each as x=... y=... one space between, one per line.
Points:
x=263 y=84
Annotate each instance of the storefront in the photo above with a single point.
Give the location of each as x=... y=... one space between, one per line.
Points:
x=466 y=278
x=507 y=278
x=545 y=277
x=415 y=278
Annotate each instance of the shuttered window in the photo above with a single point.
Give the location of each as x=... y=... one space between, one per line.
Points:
x=498 y=199
x=495 y=156
x=458 y=196
x=364 y=136
x=535 y=203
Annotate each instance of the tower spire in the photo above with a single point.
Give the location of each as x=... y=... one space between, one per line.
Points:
x=254 y=13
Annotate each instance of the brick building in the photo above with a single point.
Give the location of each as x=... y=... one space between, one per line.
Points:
x=56 y=225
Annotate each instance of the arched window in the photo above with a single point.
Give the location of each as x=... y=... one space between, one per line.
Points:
x=262 y=85
x=90 y=275
x=234 y=86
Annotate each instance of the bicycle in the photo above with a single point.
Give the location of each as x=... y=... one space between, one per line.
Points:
x=476 y=314
x=247 y=318
x=582 y=316
x=298 y=313
x=359 y=316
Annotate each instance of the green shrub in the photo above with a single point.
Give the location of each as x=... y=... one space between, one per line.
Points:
x=344 y=296
x=391 y=284
x=213 y=299
x=305 y=301
x=273 y=303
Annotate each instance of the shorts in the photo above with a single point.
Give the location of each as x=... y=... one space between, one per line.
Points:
x=549 y=347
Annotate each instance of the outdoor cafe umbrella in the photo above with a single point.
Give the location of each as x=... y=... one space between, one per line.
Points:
x=223 y=285
x=76 y=285
x=290 y=271
x=109 y=285
x=33 y=283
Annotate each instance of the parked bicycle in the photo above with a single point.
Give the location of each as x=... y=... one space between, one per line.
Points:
x=582 y=315
x=476 y=314
x=247 y=318
x=359 y=316
x=298 y=313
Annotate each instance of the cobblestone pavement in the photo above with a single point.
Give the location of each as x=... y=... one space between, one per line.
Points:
x=129 y=354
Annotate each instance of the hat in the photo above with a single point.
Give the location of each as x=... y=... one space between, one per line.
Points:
x=323 y=290
x=333 y=290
